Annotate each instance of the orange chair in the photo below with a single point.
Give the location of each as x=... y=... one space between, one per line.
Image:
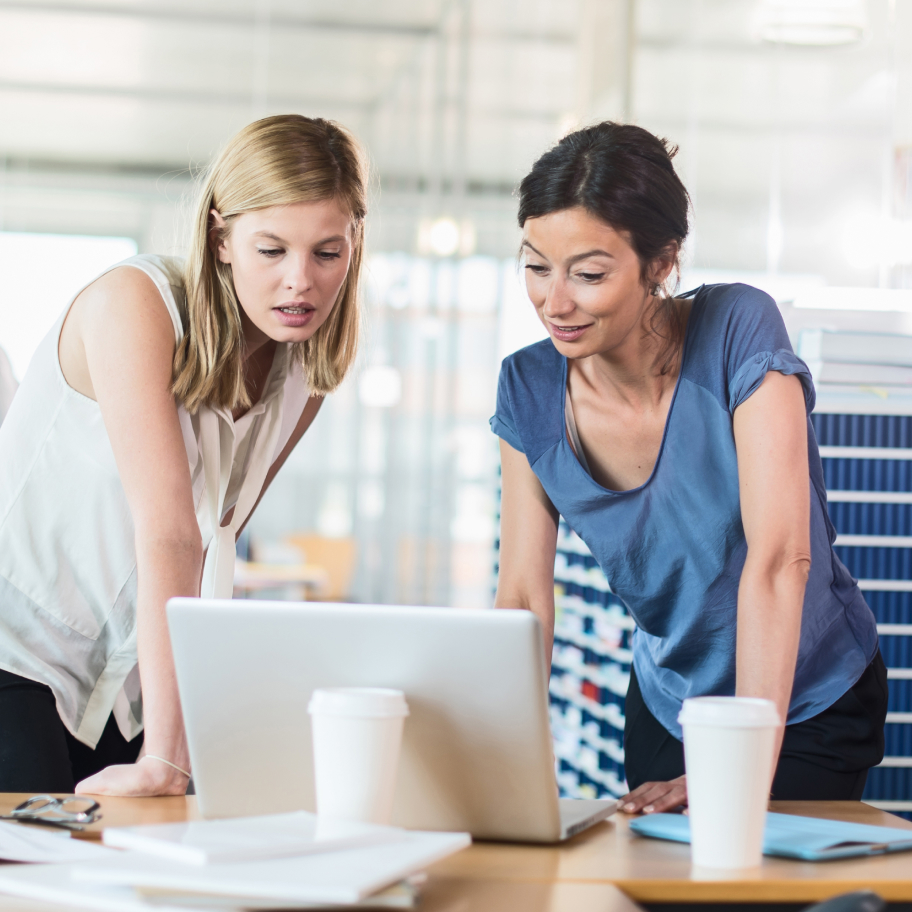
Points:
x=337 y=556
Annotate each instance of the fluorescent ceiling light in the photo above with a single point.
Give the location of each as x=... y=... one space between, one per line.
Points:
x=815 y=23
x=444 y=237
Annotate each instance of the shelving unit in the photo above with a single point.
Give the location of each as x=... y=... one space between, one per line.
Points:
x=590 y=672
x=866 y=446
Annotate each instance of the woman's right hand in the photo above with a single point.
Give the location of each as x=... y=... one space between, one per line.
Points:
x=655 y=797
x=144 y=779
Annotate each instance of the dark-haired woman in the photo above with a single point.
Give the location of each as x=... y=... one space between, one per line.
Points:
x=673 y=436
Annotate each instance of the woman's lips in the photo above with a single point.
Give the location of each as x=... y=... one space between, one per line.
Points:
x=294 y=315
x=568 y=333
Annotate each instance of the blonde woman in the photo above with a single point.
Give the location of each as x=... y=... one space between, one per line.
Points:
x=149 y=424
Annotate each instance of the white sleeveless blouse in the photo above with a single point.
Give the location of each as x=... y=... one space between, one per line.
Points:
x=67 y=554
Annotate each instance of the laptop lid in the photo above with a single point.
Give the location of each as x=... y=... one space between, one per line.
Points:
x=476 y=753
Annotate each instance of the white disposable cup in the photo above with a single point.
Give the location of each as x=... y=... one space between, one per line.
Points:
x=728 y=756
x=357 y=734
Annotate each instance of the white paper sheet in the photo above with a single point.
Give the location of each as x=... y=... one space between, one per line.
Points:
x=245 y=839
x=56 y=884
x=19 y=842
x=335 y=877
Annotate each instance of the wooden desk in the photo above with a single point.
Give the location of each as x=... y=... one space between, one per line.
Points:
x=656 y=871
x=584 y=874
x=305 y=579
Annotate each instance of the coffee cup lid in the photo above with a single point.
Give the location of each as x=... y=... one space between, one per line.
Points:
x=729 y=712
x=370 y=702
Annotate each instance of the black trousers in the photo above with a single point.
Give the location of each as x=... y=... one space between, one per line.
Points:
x=37 y=753
x=824 y=758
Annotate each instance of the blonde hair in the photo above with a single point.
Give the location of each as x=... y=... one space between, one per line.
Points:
x=272 y=162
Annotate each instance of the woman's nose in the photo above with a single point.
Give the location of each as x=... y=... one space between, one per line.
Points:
x=298 y=277
x=557 y=300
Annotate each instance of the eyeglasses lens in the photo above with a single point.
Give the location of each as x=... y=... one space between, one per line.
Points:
x=81 y=809
x=36 y=804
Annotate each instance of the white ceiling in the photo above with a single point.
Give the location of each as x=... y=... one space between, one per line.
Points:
x=455 y=99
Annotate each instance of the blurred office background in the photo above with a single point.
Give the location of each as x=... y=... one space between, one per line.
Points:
x=795 y=127
x=796 y=147
x=794 y=121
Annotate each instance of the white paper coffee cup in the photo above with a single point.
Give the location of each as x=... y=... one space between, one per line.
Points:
x=728 y=757
x=357 y=734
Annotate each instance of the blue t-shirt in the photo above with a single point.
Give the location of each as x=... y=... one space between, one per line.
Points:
x=673 y=548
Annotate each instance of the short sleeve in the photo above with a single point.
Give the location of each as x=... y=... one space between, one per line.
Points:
x=756 y=342
x=502 y=422
x=749 y=377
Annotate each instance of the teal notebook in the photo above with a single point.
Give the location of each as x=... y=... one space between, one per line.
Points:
x=807 y=838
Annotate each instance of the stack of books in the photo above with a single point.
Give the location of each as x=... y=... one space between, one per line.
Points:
x=842 y=358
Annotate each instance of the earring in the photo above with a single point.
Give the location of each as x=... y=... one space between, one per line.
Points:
x=655 y=290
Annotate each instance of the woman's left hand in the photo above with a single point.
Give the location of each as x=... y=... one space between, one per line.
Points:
x=655 y=797
x=145 y=778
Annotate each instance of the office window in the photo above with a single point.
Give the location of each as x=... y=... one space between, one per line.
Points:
x=41 y=272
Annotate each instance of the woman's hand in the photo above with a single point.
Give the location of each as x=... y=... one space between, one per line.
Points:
x=655 y=797
x=145 y=778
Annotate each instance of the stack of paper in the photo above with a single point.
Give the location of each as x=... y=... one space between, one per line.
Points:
x=20 y=842
x=289 y=861
x=56 y=884
x=249 y=838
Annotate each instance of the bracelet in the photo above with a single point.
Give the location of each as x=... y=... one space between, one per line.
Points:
x=169 y=763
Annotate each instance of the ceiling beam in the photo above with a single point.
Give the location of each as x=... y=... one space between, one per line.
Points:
x=180 y=96
x=216 y=16
x=18 y=172
x=323 y=104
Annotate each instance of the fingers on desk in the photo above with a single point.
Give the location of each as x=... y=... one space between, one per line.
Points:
x=655 y=797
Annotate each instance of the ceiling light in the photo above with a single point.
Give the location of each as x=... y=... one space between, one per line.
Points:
x=444 y=237
x=817 y=23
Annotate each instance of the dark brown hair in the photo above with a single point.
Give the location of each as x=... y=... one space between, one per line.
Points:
x=623 y=175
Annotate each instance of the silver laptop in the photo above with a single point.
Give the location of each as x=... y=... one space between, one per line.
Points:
x=476 y=752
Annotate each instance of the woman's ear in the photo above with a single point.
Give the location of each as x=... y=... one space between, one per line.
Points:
x=663 y=265
x=217 y=225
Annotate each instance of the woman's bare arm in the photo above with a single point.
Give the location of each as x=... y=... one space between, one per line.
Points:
x=528 y=540
x=771 y=437
x=117 y=347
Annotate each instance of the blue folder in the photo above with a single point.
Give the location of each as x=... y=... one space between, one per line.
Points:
x=807 y=838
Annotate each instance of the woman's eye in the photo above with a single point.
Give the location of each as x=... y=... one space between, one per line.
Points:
x=328 y=255
x=270 y=251
x=590 y=276
x=537 y=269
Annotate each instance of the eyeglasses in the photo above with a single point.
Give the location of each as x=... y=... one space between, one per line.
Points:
x=71 y=813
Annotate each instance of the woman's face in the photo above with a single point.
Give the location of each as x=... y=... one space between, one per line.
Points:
x=288 y=264
x=585 y=281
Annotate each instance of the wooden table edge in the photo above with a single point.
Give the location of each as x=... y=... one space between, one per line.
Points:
x=758 y=891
